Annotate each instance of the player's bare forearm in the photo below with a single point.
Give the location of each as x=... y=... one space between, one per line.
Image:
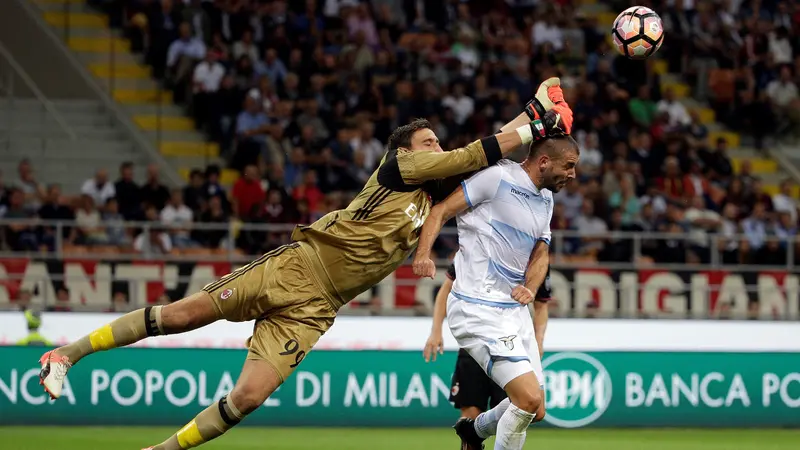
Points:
x=540 y=316
x=440 y=306
x=537 y=266
x=430 y=230
x=441 y=213
x=521 y=120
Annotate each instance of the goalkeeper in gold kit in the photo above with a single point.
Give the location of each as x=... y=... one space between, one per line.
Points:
x=294 y=292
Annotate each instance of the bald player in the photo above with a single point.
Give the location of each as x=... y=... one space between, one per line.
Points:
x=294 y=292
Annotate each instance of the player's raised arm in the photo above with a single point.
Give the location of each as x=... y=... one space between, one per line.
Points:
x=548 y=97
x=417 y=167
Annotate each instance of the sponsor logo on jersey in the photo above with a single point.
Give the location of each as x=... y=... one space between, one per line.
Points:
x=578 y=389
x=523 y=194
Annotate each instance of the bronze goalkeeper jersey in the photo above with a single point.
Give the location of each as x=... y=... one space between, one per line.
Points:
x=353 y=249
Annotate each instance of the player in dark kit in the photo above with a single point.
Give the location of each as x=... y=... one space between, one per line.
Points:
x=471 y=389
x=294 y=292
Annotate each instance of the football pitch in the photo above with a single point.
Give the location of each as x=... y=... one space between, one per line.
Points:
x=246 y=438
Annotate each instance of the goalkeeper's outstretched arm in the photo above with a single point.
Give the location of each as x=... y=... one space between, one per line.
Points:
x=419 y=167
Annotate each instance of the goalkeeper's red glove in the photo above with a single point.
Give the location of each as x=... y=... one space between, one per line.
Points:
x=547 y=95
x=559 y=119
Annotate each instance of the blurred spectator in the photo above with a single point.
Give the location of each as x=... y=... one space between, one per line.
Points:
x=701 y=223
x=152 y=240
x=729 y=230
x=571 y=200
x=90 y=224
x=755 y=227
x=309 y=191
x=114 y=223
x=206 y=79
x=252 y=125
x=19 y=236
x=178 y=218
x=246 y=46
x=127 y=192
x=785 y=201
x=591 y=229
x=272 y=67
x=62 y=303
x=99 y=188
x=33 y=321
x=785 y=99
x=182 y=55
x=193 y=196
x=671 y=183
x=153 y=193
x=677 y=114
x=365 y=143
x=716 y=159
x=54 y=208
x=625 y=202
x=214 y=214
x=643 y=109
x=32 y=190
x=247 y=193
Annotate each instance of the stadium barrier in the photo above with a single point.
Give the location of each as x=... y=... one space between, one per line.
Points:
x=597 y=373
x=601 y=292
x=93 y=274
x=52 y=234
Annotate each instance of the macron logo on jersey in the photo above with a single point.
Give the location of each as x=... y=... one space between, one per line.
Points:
x=523 y=194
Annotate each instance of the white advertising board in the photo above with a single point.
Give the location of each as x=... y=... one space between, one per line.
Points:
x=410 y=333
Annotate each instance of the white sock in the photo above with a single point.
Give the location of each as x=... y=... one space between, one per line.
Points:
x=512 y=429
x=486 y=422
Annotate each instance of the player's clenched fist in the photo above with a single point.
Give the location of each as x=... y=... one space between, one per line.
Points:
x=424 y=267
x=522 y=295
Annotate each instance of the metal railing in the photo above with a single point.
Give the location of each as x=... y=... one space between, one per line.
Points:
x=10 y=70
x=642 y=286
x=640 y=249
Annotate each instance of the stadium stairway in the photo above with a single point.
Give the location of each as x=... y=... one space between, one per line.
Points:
x=128 y=81
x=740 y=147
x=33 y=133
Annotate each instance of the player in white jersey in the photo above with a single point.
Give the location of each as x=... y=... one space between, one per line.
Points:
x=503 y=216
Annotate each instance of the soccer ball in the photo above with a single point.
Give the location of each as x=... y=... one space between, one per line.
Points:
x=637 y=32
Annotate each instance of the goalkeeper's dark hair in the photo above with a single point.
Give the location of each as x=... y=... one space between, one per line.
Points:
x=553 y=145
x=401 y=137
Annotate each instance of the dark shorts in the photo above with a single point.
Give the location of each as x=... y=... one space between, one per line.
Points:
x=472 y=387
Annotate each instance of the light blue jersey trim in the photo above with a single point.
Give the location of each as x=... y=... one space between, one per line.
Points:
x=514 y=237
x=492 y=359
x=466 y=196
x=479 y=301
x=545 y=240
x=508 y=274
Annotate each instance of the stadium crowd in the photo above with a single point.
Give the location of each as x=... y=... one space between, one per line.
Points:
x=301 y=97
